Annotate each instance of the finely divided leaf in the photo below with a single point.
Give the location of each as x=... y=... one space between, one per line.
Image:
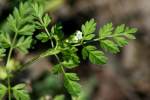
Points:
x=109 y=46
x=88 y=28
x=69 y=64
x=24 y=44
x=84 y=53
x=20 y=17
x=70 y=57
x=5 y=41
x=72 y=76
x=90 y=48
x=120 y=41
x=38 y=10
x=73 y=87
x=19 y=86
x=59 y=97
x=19 y=26
x=119 y=29
x=89 y=37
x=11 y=23
x=95 y=56
x=111 y=40
x=43 y=37
x=3 y=90
x=130 y=30
x=46 y=20
x=106 y=30
x=57 y=31
x=27 y=30
x=56 y=69
x=2 y=52
x=20 y=93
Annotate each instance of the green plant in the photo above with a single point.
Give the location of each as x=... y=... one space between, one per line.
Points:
x=19 y=36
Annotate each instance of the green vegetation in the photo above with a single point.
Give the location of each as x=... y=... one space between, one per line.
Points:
x=27 y=18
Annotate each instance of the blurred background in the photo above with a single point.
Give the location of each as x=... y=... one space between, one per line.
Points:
x=125 y=77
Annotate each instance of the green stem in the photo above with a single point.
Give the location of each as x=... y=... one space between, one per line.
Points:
x=58 y=59
x=9 y=87
x=79 y=44
x=62 y=68
x=48 y=34
x=8 y=72
x=98 y=39
x=11 y=48
x=39 y=57
x=42 y=55
x=52 y=44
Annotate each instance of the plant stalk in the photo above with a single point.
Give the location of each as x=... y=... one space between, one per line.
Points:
x=8 y=60
x=39 y=57
x=58 y=59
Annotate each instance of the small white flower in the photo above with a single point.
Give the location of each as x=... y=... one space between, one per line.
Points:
x=79 y=35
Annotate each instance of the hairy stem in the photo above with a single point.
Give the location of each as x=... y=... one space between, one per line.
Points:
x=98 y=39
x=86 y=42
x=52 y=44
x=42 y=55
x=58 y=59
x=49 y=35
